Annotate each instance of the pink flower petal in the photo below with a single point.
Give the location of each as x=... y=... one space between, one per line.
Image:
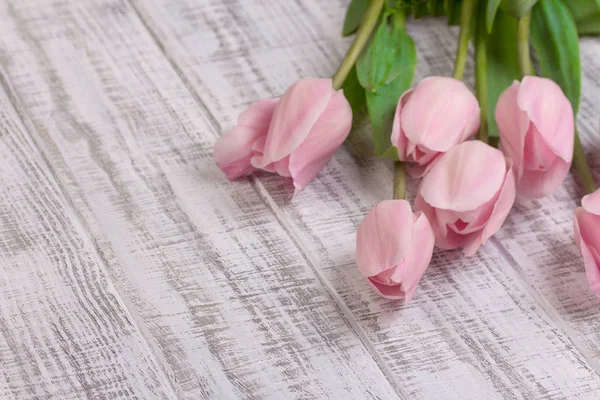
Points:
x=550 y=111
x=591 y=202
x=234 y=150
x=537 y=184
x=384 y=237
x=419 y=256
x=466 y=177
x=513 y=124
x=325 y=137
x=586 y=228
x=296 y=114
x=441 y=113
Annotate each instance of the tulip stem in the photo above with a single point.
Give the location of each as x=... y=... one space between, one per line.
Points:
x=582 y=166
x=481 y=87
x=362 y=37
x=523 y=45
x=466 y=15
x=399 y=180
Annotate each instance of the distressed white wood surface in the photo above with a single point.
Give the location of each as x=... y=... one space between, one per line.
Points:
x=231 y=290
x=65 y=332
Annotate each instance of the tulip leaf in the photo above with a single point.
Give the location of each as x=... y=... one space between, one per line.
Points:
x=586 y=14
x=517 y=8
x=490 y=13
x=502 y=62
x=381 y=103
x=554 y=38
x=354 y=16
x=387 y=58
x=453 y=11
x=355 y=94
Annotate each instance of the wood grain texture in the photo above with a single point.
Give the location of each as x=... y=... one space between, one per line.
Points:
x=224 y=297
x=479 y=327
x=65 y=332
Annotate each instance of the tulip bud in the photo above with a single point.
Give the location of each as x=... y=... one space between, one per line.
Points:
x=536 y=125
x=587 y=235
x=467 y=195
x=294 y=136
x=309 y=124
x=431 y=119
x=393 y=248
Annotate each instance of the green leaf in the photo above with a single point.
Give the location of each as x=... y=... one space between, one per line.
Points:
x=453 y=11
x=586 y=14
x=381 y=103
x=355 y=94
x=354 y=16
x=490 y=13
x=554 y=38
x=386 y=57
x=502 y=62
x=517 y=8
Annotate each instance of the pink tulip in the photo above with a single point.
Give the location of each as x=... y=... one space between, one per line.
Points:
x=587 y=235
x=294 y=137
x=431 y=119
x=536 y=126
x=393 y=248
x=467 y=195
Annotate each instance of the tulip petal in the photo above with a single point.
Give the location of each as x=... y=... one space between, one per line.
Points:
x=439 y=220
x=384 y=237
x=441 y=113
x=583 y=222
x=325 y=137
x=537 y=184
x=550 y=111
x=398 y=138
x=466 y=177
x=294 y=117
x=234 y=150
x=419 y=256
x=513 y=124
x=591 y=203
x=388 y=291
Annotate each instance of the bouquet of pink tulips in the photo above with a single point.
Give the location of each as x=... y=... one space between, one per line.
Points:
x=474 y=154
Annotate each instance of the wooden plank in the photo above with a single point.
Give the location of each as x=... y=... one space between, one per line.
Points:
x=64 y=329
x=227 y=301
x=475 y=330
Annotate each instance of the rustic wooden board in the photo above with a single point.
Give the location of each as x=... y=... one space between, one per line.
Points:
x=65 y=332
x=226 y=300
x=480 y=327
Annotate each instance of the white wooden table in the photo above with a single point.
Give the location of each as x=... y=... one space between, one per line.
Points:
x=131 y=268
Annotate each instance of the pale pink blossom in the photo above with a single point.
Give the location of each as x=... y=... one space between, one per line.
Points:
x=294 y=136
x=467 y=195
x=393 y=248
x=431 y=119
x=536 y=125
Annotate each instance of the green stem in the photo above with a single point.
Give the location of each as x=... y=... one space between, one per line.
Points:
x=362 y=37
x=523 y=45
x=466 y=15
x=399 y=181
x=582 y=166
x=481 y=87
